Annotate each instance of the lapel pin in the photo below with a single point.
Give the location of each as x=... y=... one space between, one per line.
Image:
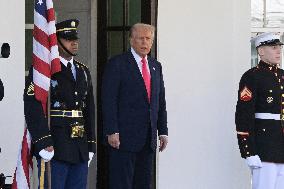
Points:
x=154 y=68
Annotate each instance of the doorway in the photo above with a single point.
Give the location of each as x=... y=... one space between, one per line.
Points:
x=115 y=17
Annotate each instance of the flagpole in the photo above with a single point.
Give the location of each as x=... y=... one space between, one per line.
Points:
x=48 y=123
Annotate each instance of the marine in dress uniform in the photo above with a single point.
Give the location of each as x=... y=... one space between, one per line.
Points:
x=260 y=115
x=72 y=116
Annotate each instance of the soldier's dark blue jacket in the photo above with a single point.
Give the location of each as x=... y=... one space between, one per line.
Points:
x=66 y=94
x=261 y=91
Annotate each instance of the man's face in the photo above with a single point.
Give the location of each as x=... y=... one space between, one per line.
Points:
x=271 y=54
x=70 y=45
x=141 y=41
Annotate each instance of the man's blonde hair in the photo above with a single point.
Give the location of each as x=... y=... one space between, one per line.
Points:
x=148 y=27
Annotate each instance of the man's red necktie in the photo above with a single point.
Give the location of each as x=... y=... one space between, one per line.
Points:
x=146 y=77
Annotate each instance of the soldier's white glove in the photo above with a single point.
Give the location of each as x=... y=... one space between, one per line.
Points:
x=46 y=155
x=254 y=162
x=91 y=154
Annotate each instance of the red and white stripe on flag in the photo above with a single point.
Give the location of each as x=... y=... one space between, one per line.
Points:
x=23 y=171
x=45 y=50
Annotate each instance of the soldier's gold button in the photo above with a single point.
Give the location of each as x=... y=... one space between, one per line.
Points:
x=245 y=139
x=270 y=91
x=77 y=103
x=279 y=80
x=281 y=87
x=246 y=146
x=247 y=153
x=263 y=130
x=275 y=74
x=76 y=92
x=282 y=95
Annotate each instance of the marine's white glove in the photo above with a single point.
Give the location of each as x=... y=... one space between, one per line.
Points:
x=91 y=154
x=46 y=155
x=254 y=162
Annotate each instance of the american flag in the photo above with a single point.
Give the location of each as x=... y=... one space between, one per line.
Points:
x=45 y=63
x=45 y=50
x=24 y=164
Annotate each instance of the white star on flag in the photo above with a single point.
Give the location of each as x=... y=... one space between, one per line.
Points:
x=39 y=2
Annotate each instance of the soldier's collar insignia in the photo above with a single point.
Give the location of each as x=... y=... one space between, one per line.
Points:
x=245 y=94
x=267 y=66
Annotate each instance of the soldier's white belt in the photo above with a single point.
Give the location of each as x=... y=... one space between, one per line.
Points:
x=66 y=113
x=267 y=116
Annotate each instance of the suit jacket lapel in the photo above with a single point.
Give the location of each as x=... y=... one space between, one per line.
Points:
x=153 y=76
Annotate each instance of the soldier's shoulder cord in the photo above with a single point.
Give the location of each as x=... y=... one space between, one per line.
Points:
x=81 y=64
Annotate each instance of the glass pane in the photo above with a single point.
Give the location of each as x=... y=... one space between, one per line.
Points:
x=275 y=13
x=29 y=11
x=134 y=14
x=115 y=43
x=28 y=48
x=254 y=55
x=257 y=11
x=115 y=12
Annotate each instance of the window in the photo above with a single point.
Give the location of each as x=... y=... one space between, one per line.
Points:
x=121 y=14
x=266 y=16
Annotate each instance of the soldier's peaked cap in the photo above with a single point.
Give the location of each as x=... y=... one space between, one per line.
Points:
x=68 y=29
x=266 y=39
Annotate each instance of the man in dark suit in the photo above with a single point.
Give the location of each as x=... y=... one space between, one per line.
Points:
x=134 y=109
x=71 y=137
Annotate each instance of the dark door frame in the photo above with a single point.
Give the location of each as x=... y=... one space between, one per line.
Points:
x=149 y=16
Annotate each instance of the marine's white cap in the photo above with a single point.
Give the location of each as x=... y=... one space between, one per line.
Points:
x=266 y=39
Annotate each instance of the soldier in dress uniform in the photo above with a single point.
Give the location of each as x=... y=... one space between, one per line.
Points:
x=71 y=137
x=260 y=115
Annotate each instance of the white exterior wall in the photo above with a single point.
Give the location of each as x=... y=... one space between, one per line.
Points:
x=12 y=25
x=204 y=48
